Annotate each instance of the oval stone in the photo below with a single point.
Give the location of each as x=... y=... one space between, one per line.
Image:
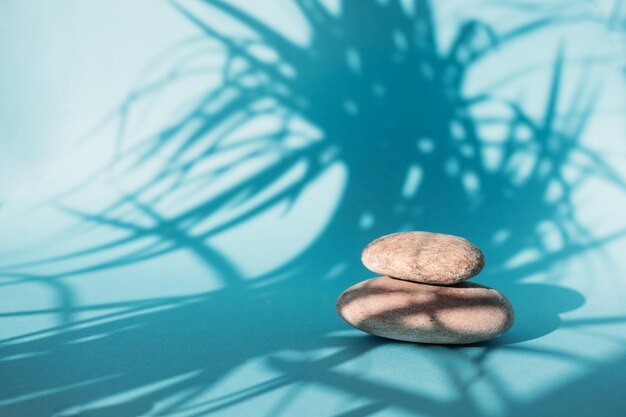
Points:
x=429 y=258
x=403 y=310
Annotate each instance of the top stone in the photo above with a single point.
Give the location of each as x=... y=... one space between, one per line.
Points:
x=428 y=258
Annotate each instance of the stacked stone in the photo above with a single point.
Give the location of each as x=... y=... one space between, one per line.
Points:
x=423 y=295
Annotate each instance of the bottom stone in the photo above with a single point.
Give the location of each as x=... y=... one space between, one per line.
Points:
x=404 y=310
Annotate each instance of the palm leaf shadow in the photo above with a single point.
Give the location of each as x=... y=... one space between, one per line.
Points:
x=390 y=103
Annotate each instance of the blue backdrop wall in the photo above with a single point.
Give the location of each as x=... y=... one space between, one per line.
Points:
x=186 y=187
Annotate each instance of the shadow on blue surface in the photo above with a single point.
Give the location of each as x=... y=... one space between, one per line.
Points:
x=391 y=106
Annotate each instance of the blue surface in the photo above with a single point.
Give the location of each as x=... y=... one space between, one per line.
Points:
x=186 y=188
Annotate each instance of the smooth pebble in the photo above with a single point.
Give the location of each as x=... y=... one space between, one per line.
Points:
x=403 y=310
x=429 y=258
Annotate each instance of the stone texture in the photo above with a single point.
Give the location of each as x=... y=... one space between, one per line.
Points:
x=429 y=258
x=404 y=310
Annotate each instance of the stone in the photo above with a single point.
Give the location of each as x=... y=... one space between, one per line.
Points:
x=429 y=258
x=403 y=310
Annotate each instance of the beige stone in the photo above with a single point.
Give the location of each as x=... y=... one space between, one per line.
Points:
x=404 y=310
x=429 y=258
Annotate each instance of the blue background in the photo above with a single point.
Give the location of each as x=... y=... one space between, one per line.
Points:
x=186 y=188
